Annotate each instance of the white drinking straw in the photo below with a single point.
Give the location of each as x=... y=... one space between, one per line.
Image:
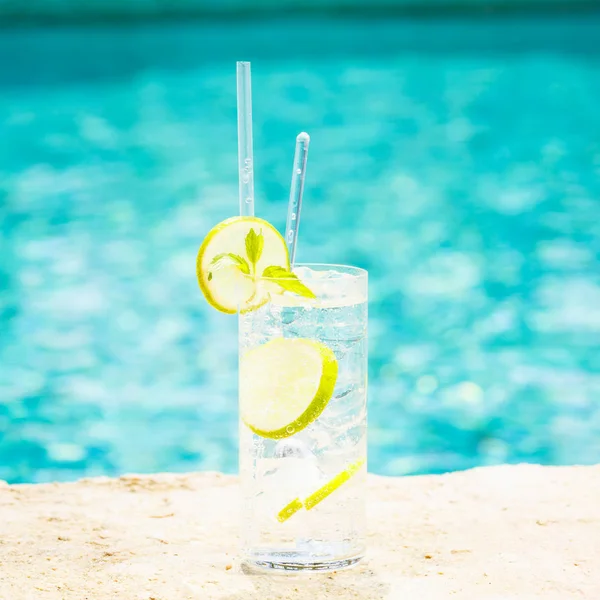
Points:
x=245 y=154
x=296 y=193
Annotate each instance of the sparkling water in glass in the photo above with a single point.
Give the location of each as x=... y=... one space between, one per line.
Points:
x=329 y=455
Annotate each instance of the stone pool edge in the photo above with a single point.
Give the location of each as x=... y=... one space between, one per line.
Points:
x=510 y=532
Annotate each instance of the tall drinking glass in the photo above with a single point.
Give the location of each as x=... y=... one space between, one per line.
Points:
x=303 y=485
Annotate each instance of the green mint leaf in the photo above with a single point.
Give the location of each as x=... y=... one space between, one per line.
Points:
x=254 y=246
x=288 y=281
x=227 y=259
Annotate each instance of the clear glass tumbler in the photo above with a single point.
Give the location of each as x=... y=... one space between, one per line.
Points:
x=303 y=486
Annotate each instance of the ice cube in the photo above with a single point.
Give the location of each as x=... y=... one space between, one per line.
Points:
x=292 y=448
x=284 y=479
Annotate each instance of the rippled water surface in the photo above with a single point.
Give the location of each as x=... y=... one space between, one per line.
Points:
x=458 y=162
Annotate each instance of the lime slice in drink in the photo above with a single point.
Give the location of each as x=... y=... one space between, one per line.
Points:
x=232 y=257
x=290 y=509
x=333 y=484
x=285 y=384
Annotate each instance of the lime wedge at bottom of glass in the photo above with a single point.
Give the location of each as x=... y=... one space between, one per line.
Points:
x=323 y=492
x=285 y=385
x=332 y=485
x=290 y=509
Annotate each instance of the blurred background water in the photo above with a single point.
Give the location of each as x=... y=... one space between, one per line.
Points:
x=456 y=158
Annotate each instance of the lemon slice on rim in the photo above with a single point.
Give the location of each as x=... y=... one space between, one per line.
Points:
x=285 y=384
x=231 y=258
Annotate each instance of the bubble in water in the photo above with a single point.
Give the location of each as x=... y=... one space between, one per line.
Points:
x=290 y=429
x=292 y=449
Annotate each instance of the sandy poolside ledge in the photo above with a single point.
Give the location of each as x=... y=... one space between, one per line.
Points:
x=501 y=533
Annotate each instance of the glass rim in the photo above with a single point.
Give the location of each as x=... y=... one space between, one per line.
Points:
x=347 y=280
x=348 y=270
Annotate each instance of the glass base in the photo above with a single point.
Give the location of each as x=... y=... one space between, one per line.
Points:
x=296 y=560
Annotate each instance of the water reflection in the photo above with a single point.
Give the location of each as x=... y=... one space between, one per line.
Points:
x=467 y=184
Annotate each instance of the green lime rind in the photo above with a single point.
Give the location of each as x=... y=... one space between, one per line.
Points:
x=315 y=406
x=331 y=486
x=290 y=509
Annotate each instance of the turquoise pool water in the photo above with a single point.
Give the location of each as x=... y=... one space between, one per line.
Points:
x=458 y=161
